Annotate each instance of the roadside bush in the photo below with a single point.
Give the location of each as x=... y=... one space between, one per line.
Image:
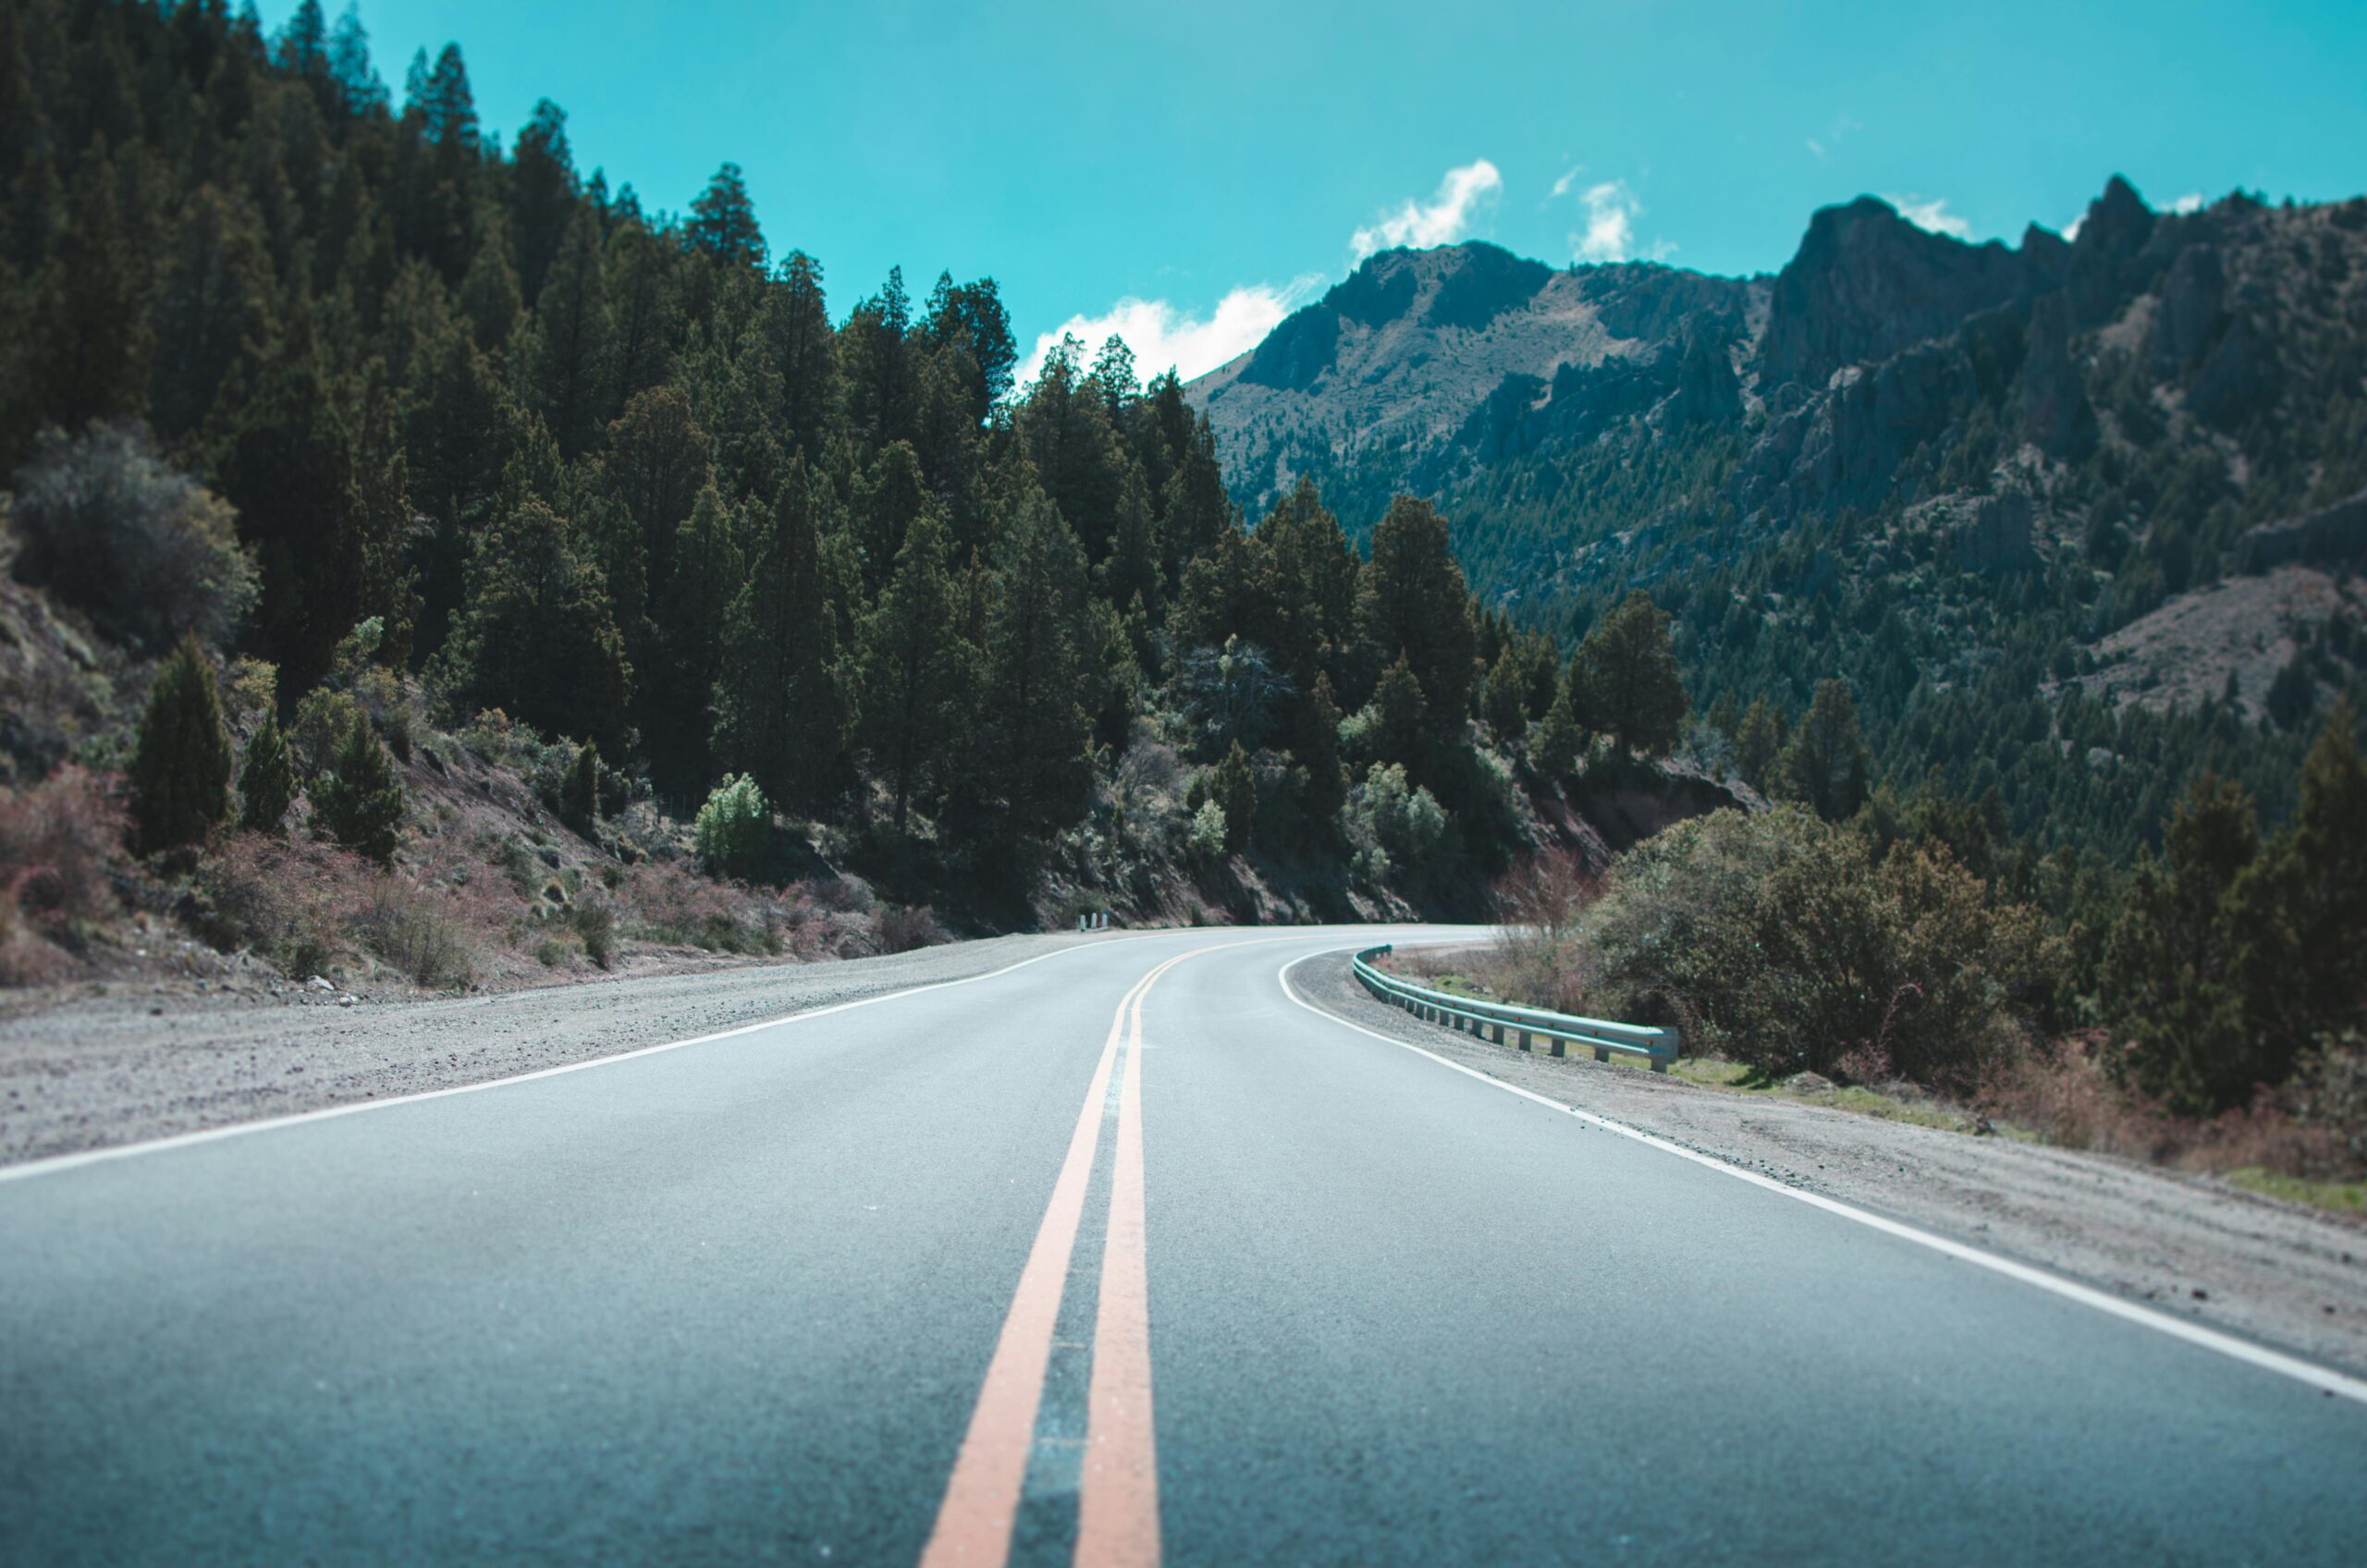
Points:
x=111 y=528
x=58 y=840
x=1775 y=940
x=595 y=927
x=903 y=927
x=409 y=928
x=731 y=827
x=285 y=901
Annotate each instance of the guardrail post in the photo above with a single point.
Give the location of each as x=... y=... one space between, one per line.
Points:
x=1601 y=1054
x=1558 y=1043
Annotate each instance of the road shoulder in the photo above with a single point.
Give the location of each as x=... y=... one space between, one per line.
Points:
x=111 y=1071
x=2285 y=1275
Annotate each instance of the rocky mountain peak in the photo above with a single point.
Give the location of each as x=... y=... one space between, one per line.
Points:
x=1866 y=284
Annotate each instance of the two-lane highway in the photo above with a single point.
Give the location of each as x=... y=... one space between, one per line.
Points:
x=1119 y=1254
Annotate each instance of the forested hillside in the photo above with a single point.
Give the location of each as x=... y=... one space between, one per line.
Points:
x=398 y=421
x=2075 y=521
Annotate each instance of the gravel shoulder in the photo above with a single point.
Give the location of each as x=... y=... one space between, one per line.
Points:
x=2272 y=1271
x=122 y=1069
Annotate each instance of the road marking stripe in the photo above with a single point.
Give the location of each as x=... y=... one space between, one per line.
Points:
x=1118 y=1499
x=57 y=1163
x=973 y=1522
x=2321 y=1378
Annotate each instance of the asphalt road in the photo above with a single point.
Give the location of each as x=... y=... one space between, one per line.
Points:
x=1092 y=1259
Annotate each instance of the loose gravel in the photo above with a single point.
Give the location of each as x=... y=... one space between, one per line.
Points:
x=2272 y=1271
x=123 y=1068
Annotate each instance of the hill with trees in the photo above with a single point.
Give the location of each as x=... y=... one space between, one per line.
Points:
x=400 y=435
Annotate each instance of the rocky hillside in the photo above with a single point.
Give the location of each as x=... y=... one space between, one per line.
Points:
x=2126 y=465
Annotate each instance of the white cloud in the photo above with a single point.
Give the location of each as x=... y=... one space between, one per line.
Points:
x=1164 y=336
x=1839 y=130
x=1447 y=218
x=2071 y=230
x=1931 y=215
x=1569 y=180
x=1610 y=233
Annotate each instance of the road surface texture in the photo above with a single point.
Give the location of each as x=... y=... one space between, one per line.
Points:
x=1122 y=1254
x=2277 y=1271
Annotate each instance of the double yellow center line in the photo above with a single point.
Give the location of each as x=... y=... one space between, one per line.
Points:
x=1117 y=1523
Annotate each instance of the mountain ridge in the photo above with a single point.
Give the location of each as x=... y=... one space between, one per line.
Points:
x=1903 y=459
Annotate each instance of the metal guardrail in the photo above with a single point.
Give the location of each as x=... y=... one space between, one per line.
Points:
x=1557 y=1031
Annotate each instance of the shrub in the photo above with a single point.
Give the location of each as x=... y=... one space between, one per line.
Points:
x=180 y=764
x=250 y=690
x=731 y=828
x=1403 y=818
x=903 y=927
x=1776 y=940
x=360 y=804
x=1235 y=790
x=287 y=902
x=267 y=783
x=324 y=718
x=110 y=527
x=409 y=928
x=58 y=839
x=579 y=801
x=595 y=926
x=1208 y=830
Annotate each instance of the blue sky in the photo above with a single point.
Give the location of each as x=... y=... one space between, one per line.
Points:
x=1190 y=171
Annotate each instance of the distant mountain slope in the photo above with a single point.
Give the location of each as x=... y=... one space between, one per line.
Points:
x=1906 y=461
x=1421 y=360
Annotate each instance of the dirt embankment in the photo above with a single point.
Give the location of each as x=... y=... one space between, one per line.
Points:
x=2284 y=1275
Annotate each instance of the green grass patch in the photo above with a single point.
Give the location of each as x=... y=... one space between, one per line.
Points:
x=2342 y=1198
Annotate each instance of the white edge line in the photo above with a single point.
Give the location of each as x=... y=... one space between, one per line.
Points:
x=2320 y=1378
x=55 y=1163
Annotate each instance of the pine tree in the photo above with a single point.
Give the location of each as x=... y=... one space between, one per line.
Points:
x=1825 y=765
x=96 y=365
x=919 y=677
x=1557 y=740
x=780 y=703
x=1398 y=729
x=723 y=221
x=1759 y=740
x=180 y=764
x=1504 y=701
x=1235 y=790
x=1628 y=685
x=580 y=790
x=360 y=804
x=1416 y=607
x=267 y=782
x=538 y=636
x=1037 y=729
x=543 y=190
x=569 y=360
x=656 y=463
x=710 y=568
